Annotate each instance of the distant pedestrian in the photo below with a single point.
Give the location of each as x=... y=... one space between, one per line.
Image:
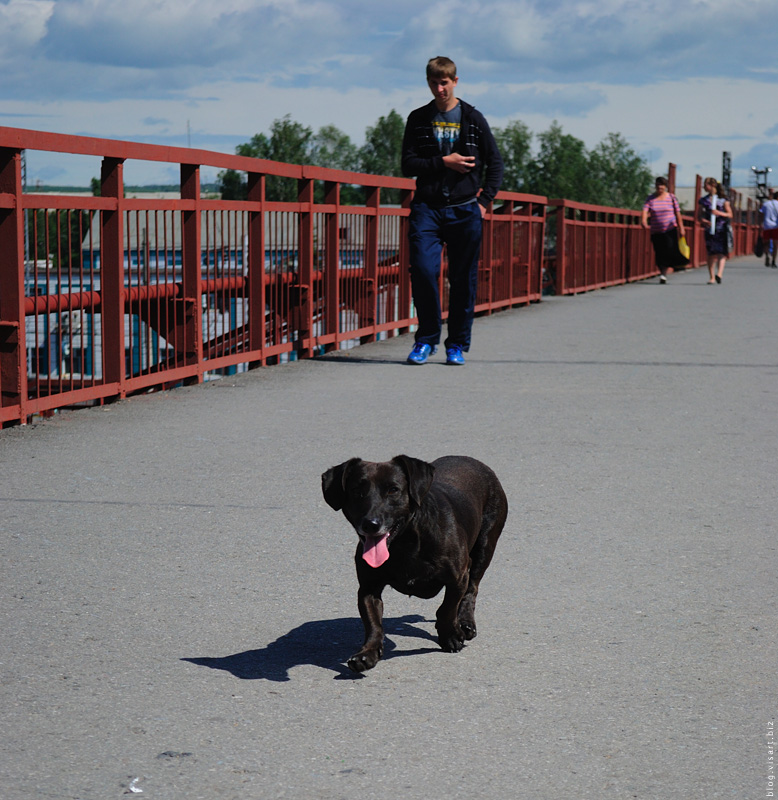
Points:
x=450 y=149
x=769 y=212
x=715 y=205
x=662 y=216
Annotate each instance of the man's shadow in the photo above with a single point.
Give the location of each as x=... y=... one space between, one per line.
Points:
x=324 y=643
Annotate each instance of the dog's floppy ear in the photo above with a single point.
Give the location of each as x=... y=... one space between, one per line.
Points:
x=333 y=483
x=419 y=474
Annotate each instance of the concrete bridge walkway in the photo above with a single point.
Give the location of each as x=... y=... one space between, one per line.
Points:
x=178 y=602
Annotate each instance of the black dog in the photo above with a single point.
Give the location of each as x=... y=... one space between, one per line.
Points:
x=422 y=527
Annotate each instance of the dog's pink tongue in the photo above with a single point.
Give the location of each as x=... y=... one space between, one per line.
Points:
x=374 y=550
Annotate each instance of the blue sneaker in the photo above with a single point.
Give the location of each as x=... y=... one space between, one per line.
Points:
x=420 y=353
x=454 y=355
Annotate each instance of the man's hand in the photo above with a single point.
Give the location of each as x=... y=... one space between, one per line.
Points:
x=459 y=163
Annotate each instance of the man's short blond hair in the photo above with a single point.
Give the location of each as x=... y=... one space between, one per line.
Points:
x=441 y=67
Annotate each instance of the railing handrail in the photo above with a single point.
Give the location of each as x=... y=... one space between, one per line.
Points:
x=591 y=207
x=89 y=314
x=25 y=139
x=165 y=290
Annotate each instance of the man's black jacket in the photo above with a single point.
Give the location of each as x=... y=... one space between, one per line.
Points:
x=422 y=157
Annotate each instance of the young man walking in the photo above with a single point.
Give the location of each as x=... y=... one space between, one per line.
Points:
x=769 y=212
x=451 y=151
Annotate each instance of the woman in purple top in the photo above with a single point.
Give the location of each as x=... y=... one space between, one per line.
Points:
x=716 y=243
x=666 y=225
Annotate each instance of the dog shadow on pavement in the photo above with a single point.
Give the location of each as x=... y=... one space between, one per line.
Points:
x=324 y=643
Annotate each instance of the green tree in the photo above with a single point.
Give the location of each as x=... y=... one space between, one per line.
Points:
x=232 y=185
x=289 y=142
x=561 y=167
x=293 y=143
x=515 y=143
x=382 y=151
x=612 y=174
x=333 y=148
x=618 y=176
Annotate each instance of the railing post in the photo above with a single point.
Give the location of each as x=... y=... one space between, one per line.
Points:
x=536 y=248
x=561 y=248
x=510 y=258
x=256 y=268
x=331 y=277
x=13 y=353
x=748 y=232
x=404 y=267
x=737 y=224
x=304 y=300
x=191 y=324
x=695 y=240
x=586 y=274
x=733 y=223
x=367 y=292
x=486 y=266
x=112 y=274
x=631 y=243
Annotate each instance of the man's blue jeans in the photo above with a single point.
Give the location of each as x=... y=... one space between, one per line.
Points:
x=460 y=229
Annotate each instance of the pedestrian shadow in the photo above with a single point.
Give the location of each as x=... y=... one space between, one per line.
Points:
x=324 y=643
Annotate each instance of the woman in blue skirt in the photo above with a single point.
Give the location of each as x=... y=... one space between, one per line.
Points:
x=715 y=203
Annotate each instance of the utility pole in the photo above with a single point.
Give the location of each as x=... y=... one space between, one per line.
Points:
x=762 y=189
x=726 y=172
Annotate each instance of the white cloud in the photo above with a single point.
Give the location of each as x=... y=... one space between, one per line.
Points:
x=676 y=78
x=194 y=33
x=145 y=35
x=22 y=26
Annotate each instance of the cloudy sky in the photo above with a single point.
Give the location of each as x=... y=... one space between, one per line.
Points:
x=682 y=80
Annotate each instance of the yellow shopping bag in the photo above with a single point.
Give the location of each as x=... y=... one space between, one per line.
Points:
x=683 y=247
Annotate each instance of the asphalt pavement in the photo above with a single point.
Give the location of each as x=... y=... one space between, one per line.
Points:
x=178 y=602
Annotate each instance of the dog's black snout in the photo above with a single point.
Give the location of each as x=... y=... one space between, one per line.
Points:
x=370 y=525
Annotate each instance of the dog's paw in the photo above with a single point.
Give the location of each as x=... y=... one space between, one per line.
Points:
x=363 y=660
x=466 y=622
x=451 y=641
x=469 y=629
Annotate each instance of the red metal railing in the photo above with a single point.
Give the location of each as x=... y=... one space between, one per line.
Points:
x=591 y=247
x=104 y=296
x=595 y=247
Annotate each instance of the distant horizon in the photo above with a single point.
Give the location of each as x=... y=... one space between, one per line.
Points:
x=213 y=186
x=161 y=187
x=681 y=82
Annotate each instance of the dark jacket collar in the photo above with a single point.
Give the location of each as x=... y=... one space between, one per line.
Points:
x=432 y=109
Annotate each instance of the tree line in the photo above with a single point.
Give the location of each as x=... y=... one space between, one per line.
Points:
x=560 y=166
